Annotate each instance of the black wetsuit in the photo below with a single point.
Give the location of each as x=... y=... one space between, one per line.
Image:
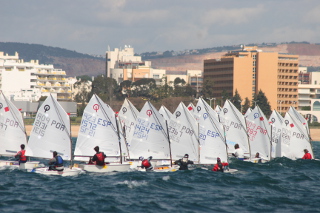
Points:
x=183 y=164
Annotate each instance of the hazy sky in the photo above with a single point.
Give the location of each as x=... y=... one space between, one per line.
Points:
x=89 y=26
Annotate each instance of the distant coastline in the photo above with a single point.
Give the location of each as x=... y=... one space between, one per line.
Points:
x=315 y=133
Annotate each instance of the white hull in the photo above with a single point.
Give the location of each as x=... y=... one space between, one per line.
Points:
x=256 y=160
x=65 y=172
x=106 y=168
x=27 y=165
x=164 y=168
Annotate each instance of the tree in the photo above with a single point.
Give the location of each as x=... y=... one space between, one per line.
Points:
x=125 y=87
x=236 y=100
x=142 y=87
x=225 y=95
x=261 y=100
x=207 y=89
x=106 y=88
x=82 y=91
x=84 y=77
x=179 y=87
x=246 y=105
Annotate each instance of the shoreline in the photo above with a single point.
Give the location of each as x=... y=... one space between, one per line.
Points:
x=315 y=133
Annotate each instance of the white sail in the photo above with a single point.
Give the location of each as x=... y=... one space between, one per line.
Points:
x=166 y=114
x=211 y=134
x=293 y=112
x=98 y=128
x=258 y=129
x=218 y=109
x=276 y=121
x=295 y=136
x=12 y=129
x=249 y=110
x=127 y=116
x=150 y=136
x=50 y=132
x=235 y=128
x=183 y=132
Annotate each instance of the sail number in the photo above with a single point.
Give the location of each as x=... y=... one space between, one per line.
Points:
x=41 y=123
x=8 y=122
x=90 y=123
x=143 y=127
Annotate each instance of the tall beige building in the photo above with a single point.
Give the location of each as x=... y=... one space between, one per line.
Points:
x=250 y=70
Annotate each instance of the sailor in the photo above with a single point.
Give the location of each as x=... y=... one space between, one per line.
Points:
x=21 y=155
x=258 y=156
x=56 y=163
x=238 y=152
x=307 y=155
x=184 y=162
x=219 y=167
x=99 y=157
x=146 y=163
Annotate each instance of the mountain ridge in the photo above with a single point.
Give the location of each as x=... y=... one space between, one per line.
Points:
x=76 y=64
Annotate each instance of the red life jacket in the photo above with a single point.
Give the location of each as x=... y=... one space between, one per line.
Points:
x=101 y=158
x=22 y=156
x=146 y=163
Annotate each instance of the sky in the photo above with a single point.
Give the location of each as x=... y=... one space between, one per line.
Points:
x=93 y=26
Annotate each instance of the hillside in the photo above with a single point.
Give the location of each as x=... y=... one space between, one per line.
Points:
x=309 y=55
x=75 y=63
x=72 y=62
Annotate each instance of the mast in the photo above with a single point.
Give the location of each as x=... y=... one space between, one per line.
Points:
x=169 y=142
x=119 y=138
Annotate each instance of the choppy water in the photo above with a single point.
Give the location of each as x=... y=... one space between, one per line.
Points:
x=281 y=185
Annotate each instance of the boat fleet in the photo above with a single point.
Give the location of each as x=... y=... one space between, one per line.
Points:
x=129 y=135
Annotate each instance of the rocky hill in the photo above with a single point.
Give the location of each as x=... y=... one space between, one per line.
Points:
x=76 y=64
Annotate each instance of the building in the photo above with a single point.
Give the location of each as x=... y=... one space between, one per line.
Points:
x=250 y=70
x=123 y=65
x=28 y=81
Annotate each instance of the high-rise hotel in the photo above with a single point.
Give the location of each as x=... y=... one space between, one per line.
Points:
x=250 y=70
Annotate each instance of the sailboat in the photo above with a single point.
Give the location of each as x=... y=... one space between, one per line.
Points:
x=166 y=114
x=183 y=132
x=276 y=121
x=12 y=134
x=51 y=132
x=293 y=112
x=235 y=128
x=127 y=115
x=150 y=138
x=99 y=128
x=211 y=134
x=294 y=138
x=258 y=129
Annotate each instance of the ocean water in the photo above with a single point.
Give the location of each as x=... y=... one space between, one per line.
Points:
x=281 y=185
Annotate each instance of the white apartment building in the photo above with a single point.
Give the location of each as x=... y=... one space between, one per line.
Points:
x=28 y=81
x=309 y=93
x=124 y=65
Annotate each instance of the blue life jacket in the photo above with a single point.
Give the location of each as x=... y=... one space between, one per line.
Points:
x=59 y=161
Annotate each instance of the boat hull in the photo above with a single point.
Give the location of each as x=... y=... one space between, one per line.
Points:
x=106 y=168
x=27 y=165
x=65 y=172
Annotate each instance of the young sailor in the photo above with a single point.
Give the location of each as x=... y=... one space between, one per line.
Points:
x=56 y=163
x=184 y=162
x=21 y=155
x=219 y=167
x=307 y=155
x=238 y=152
x=99 y=157
x=146 y=163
